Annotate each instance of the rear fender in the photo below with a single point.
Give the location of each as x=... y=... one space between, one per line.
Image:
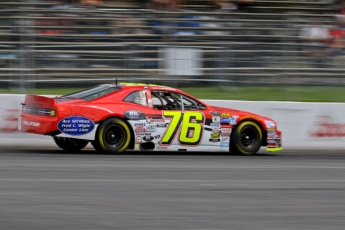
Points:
x=132 y=141
x=113 y=115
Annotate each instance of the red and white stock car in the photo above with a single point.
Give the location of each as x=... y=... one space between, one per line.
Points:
x=127 y=116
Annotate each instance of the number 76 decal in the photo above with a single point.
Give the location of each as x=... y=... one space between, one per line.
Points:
x=191 y=129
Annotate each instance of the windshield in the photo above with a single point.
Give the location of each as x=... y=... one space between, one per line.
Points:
x=94 y=92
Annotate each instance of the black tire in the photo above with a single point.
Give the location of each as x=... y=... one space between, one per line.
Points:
x=113 y=136
x=246 y=138
x=70 y=144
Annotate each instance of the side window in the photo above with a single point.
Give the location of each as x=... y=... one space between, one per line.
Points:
x=163 y=100
x=174 y=101
x=137 y=97
x=188 y=104
x=157 y=101
x=191 y=104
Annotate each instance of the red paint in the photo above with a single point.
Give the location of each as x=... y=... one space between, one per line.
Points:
x=326 y=128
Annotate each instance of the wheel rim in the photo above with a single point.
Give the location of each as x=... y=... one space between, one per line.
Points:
x=115 y=136
x=249 y=137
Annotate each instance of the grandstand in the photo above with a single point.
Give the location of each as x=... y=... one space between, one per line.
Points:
x=256 y=43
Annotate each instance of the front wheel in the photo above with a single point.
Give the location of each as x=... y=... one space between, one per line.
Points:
x=246 y=138
x=113 y=136
x=70 y=144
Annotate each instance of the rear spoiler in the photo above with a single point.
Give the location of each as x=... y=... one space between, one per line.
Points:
x=39 y=101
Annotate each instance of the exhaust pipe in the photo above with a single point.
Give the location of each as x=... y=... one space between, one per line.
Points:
x=147 y=146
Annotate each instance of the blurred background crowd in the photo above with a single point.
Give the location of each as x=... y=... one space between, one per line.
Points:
x=198 y=42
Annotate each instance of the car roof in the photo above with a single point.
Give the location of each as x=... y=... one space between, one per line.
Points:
x=151 y=86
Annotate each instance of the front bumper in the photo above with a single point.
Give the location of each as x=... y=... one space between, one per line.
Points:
x=274 y=142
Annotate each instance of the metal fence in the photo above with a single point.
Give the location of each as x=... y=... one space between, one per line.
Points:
x=45 y=45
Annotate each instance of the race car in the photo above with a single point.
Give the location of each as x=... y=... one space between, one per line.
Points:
x=145 y=117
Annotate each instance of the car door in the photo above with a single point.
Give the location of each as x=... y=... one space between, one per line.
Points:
x=184 y=120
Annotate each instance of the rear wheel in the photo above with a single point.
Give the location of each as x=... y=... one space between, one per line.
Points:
x=246 y=138
x=70 y=144
x=113 y=136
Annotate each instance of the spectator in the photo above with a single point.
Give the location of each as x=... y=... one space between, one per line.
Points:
x=58 y=7
x=338 y=45
x=231 y=5
x=315 y=39
x=340 y=14
x=164 y=4
x=340 y=6
x=190 y=27
x=159 y=4
x=91 y=3
x=341 y=17
x=224 y=5
x=175 y=4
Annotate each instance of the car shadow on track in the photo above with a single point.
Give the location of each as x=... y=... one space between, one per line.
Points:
x=127 y=153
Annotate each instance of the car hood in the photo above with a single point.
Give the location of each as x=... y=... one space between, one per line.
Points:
x=235 y=112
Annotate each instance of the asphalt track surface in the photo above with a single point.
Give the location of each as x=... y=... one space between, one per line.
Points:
x=45 y=188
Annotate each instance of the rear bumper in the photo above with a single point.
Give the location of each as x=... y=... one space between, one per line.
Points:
x=37 y=124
